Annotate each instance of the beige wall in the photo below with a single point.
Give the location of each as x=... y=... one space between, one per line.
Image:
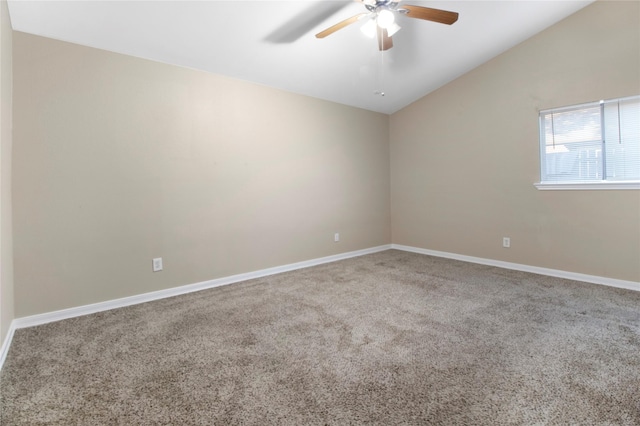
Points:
x=118 y=160
x=464 y=158
x=6 y=244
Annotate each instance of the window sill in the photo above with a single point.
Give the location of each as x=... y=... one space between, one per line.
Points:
x=582 y=186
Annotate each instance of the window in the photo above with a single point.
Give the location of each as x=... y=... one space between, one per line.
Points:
x=591 y=146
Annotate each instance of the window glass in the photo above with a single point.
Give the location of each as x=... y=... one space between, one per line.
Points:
x=595 y=142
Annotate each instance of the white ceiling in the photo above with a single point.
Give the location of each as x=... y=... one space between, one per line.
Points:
x=272 y=42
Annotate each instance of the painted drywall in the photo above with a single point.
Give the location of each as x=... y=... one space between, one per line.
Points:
x=118 y=160
x=6 y=243
x=464 y=158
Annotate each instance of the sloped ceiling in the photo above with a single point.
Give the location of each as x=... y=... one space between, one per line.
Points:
x=273 y=43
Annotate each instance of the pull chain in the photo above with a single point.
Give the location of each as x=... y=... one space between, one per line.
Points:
x=381 y=83
x=380 y=90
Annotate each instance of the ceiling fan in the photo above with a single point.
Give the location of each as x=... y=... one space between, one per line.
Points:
x=381 y=19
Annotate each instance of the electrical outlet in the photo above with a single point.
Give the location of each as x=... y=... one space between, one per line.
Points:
x=157 y=264
x=506 y=242
x=336 y=237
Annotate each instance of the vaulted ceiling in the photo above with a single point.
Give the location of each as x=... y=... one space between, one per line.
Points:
x=273 y=43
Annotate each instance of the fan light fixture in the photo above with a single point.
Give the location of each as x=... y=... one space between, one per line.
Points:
x=380 y=19
x=369 y=28
x=392 y=29
x=384 y=19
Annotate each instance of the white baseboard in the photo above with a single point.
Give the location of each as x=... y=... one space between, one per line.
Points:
x=593 y=279
x=48 y=317
x=4 y=349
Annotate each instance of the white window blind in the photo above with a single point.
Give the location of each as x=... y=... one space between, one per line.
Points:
x=591 y=143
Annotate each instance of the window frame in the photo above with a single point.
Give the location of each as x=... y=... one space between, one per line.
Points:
x=604 y=184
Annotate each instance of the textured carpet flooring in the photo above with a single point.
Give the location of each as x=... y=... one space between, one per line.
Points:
x=388 y=338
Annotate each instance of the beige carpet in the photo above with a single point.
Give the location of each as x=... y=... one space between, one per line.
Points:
x=388 y=338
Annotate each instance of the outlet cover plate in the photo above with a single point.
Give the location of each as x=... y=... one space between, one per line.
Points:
x=157 y=264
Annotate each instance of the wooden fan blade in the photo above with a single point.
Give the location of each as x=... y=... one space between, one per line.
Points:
x=428 y=14
x=332 y=29
x=384 y=41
